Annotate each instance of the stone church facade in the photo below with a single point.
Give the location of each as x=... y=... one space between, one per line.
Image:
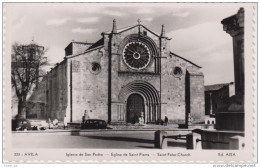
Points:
x=127 y=72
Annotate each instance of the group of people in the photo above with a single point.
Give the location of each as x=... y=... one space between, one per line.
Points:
x=165 y=122
x=140 y=119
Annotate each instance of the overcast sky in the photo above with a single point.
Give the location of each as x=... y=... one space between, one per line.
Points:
x=196 y=32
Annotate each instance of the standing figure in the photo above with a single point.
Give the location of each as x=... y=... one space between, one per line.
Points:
x=85 y=116
x=166 y=120
x=141 y=118
x=50 y=123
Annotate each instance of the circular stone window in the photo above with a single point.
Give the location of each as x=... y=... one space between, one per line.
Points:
x=136 y=55
x=95 y=67
x=177 y=72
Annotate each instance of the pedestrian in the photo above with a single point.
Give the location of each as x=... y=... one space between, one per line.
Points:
x=65 y=122
x=166 y=120
x=85 y=116
x=50 y=123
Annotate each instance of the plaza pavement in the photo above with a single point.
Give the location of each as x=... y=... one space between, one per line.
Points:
x=119 y=137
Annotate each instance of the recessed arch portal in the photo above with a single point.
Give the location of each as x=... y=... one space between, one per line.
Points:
x=150 y=95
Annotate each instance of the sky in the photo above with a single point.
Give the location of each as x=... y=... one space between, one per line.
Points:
x=196 y=31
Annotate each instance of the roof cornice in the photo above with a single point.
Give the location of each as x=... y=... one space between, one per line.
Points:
x=87 y=51
x=185 y=59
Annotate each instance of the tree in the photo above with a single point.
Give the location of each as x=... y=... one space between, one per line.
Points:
x=26 y=69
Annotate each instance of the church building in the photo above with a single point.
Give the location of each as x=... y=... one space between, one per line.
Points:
x=129 y=72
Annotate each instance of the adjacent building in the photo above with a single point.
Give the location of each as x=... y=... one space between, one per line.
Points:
x=217 y=99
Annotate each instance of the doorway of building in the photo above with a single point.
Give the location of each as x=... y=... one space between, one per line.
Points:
x=135 y=105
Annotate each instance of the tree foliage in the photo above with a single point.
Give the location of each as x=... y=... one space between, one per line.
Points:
x=26 y=69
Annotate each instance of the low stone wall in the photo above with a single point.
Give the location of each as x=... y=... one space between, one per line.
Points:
x=215 y=139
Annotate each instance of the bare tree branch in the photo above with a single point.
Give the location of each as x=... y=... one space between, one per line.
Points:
x=27 y=61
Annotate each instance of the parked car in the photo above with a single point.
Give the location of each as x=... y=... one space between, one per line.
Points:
x=20 y=124
x=94 y=124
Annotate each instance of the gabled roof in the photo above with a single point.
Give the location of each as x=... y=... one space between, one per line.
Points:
x=171 y=53
x=121 y=30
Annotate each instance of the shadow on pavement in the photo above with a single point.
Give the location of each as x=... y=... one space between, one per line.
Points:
x=177 y=144
x=75 y=133
x=123 y=139
x=127 y=139
x=150 y=147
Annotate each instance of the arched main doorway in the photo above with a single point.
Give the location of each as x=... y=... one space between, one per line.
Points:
x=149 y=99
x=135 y=105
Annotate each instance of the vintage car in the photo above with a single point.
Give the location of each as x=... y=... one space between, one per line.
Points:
x=20 y=124
x=94 y=124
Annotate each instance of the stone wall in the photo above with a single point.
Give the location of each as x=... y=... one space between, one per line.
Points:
x=214 y=136
x=195 y=96
x=89 y=86
x=173 y=88
x=56 y=92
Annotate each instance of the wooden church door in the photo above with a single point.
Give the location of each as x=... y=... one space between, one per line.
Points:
x=135 y=105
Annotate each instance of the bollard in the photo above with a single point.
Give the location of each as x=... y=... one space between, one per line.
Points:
x=189 y=141
x=196 y=144
x=236 y=142
x=159 y=139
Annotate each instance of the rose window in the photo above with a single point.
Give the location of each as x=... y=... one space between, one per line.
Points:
x=136 y=55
